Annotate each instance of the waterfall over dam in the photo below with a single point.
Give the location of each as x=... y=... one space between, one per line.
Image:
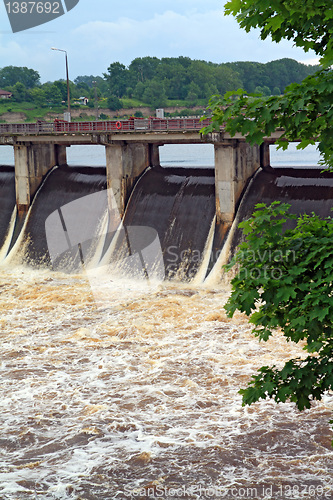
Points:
x=140 y=397
x=178 y=203
x=7 y=200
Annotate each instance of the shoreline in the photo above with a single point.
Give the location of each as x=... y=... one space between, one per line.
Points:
x=87 y=114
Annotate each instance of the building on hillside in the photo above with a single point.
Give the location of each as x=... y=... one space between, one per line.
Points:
x=83 y=100
x=5 y=95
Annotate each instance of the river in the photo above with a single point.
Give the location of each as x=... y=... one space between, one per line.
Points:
x=137 y=397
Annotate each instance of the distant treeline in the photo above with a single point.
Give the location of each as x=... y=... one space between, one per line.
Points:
x=152 y=79
x=156 y=82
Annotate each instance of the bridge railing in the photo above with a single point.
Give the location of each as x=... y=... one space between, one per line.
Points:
x=144 y=124
x=114 y=126
x=19 y=128
x=26 y=128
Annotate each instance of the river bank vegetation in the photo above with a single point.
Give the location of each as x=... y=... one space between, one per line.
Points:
x=299 y=299
x=148 y=82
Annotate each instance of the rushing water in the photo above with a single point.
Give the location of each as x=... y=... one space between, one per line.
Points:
x=139 y=398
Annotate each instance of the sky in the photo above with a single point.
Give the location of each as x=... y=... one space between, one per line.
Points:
x=96 y=33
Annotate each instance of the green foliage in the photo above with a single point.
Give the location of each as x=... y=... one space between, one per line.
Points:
x=276 y=91
x=149 y=81
x=185 y=79
x=114 y=103
x=20 y=93
x=116 y=78
x=305 y=110
x=61 y=86
x=154 y=94
x=139 y=90
x=285 y=280
x=10 y=75
x=186 y=112
x=37 y=96
x=52 y=93
x=193 y=92
x=309 y=24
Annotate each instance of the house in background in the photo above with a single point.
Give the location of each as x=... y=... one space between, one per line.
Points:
x=83 y=100
x=5 y=95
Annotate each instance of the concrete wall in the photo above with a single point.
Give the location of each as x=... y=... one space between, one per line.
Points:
x=32 y=162
x=124 y=164
x=235 y=162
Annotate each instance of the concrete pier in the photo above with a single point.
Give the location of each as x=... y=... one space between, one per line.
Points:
x=124 y=164
x=129 y=150
x=32 y=162
x=235 y=163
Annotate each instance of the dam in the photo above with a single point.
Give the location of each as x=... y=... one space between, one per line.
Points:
x=140 y=398
x=130 y=147
x=131 y=158
x=191 y=210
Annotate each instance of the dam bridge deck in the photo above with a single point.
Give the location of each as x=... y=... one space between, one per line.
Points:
x=131 y=146
x=151 y=130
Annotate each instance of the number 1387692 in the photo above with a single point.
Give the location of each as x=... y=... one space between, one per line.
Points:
x=33 y=7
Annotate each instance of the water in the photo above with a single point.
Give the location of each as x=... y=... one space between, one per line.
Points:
x=99 y=403
x=180 y=155
x=139 y=398
x=293 y=157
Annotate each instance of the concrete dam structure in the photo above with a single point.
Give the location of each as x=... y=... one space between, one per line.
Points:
x=191 y=210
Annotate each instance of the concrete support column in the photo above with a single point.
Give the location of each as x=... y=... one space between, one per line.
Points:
x=265 y=159
x=154 y=155
x=235 y=162
x=32 y=162
x=61 y=156
x=124 y=164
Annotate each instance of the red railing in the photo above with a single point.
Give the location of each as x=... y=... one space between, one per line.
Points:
x=114 y=126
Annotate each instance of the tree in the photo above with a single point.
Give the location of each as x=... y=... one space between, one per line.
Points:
x=262 y=90
x=142 y=69
x=282 y=72
x=117 y=79
x=85 y=81
x=285 y=277
x=38 y=97
x=52 y=93
x=86 y=84
x=154 y=94
x=61 y=85
x=20 y=93
x=193 y=92
x=305 y=110
x=113 y=103
x=10 y=75
x=139 y=90
x=226 y=78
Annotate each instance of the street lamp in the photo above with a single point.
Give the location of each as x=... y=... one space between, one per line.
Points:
x=67 y=79
x=96 y=102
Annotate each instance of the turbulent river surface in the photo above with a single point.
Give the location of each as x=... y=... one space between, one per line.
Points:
x=137 y=396
x=140 y=398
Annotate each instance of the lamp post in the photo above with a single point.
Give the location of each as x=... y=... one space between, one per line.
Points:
x=96 y=101
x=67 y=79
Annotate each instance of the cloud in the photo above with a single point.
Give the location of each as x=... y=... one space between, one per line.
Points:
x=311 y=61
x=12 y=49
x=193 y=29
x=210 y=36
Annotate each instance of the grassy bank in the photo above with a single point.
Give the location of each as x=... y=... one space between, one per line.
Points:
x=15 y=112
